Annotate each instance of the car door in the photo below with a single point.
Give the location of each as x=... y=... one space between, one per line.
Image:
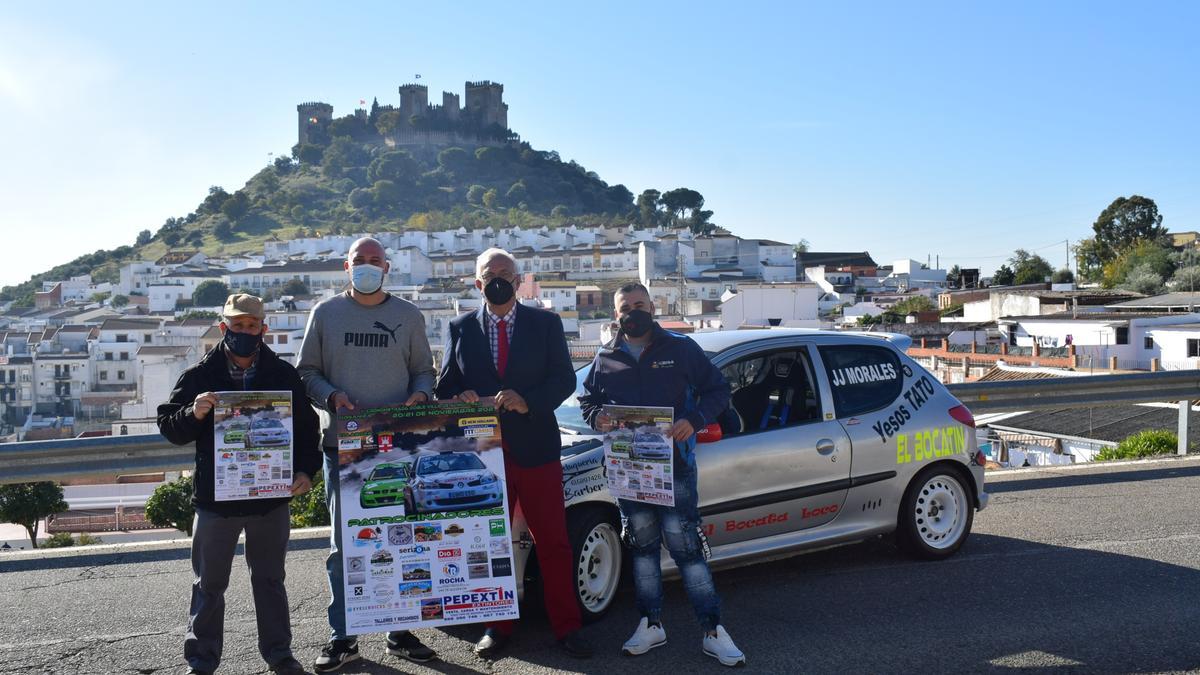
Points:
x=783 y=462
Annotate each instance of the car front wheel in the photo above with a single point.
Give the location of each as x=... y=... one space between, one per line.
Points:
x=595 y=536
x=936 y=514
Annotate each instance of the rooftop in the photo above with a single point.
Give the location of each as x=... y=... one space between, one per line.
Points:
x=1095 y=316
x=1183 y=299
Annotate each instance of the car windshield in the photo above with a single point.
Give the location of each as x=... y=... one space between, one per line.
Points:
x=444 y=463
x=570 y=416
x=267 y=424
x=388 y=471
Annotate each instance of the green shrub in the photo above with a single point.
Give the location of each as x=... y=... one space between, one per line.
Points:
x=1142 y=444
x=171 y=505
x=86 y=539
x=59 y=540
x=309 y=509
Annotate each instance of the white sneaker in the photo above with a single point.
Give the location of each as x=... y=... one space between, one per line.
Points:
x=721 y=648
x=645 y=638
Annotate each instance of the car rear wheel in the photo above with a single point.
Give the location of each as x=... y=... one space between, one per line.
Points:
x=936 y=514
x=595 y=536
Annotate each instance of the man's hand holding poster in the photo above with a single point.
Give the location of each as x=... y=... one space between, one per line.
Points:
x=638 y=452
x=424 y=517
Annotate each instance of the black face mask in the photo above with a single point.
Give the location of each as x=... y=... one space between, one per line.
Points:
x=636 y=323
x=242 y=344
x=498 y=291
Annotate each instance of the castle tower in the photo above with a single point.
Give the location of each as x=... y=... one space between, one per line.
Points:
x=450 y=105
x=312 y=114
x=485 y=101
x=414 y=99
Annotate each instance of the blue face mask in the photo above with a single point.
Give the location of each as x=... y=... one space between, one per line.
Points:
x=366 y=279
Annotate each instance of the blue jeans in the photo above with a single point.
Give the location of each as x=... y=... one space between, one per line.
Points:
x=333 y=563
x=648 y=527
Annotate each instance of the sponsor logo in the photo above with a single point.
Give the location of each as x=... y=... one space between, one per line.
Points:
x=382 y=591
x=805 y=513
x=480 y=597
x=412 y=550
x=735 y=525
x=930 y=444
x=501 y=567
x=666 y=363
x=352 y=426
x=875 y=372
x=450 y=569
x=453 y=530
x=478 y=571
x=355 y=564
x=449 y=553
x=496 y=527
x=368 y=537
x=353 y=443
x=475 y=557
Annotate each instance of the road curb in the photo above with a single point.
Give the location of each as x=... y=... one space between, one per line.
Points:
x=1036 y=471
x=300 y=534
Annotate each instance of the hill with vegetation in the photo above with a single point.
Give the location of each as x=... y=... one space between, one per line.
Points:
x=351 y=180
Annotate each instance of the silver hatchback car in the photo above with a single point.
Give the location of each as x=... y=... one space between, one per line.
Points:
x=831 y=438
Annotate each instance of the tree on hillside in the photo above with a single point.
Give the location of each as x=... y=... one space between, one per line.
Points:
x=119 y=300
x=800 y=247
x=397 y=165
x=475 y=194
x=26 y=504
x=1186 y=279
x=212 y=203
x=223 y=230
x=454 y=159
x=1125 y=222
x=489 y=198
x=681 y=200
x=1003 y=277
x=1150 y=255
x=294 y=287
x=236 y=206
x=1029 y=268
x=916 y=303
x=647 y=206
x=307 y=153
x=1063 y=276
x=143 y=238
x=1143 y=279
x=210 y=293
x=343 y=153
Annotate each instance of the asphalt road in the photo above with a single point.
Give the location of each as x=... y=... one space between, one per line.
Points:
x=1093 y=570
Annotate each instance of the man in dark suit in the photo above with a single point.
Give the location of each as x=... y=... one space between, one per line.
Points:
x=518 y=354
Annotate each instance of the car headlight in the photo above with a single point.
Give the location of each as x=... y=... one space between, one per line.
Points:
x=488 y=479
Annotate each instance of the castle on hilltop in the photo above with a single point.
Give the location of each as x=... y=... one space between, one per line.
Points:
x=415 y=121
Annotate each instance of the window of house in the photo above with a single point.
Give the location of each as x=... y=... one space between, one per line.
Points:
x=103 y=375
x=1122 y=335
x=108 y=356
x=1193 y=346
x=122 y=337
x=769 y=391
x=120 y=374
x=1148 y=342
x=862 y=378
x=281 y=339
x=124 y=356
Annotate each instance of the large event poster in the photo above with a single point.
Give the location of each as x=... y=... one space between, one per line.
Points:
x=424 y=517
x=637 y=454
x=252 y=445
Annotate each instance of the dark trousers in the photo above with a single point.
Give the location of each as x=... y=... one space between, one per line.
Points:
x=214 y=539
x=538 y=491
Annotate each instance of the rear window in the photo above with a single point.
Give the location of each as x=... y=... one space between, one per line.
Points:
x=862 y=378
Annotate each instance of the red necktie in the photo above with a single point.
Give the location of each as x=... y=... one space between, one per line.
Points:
x=501 y=346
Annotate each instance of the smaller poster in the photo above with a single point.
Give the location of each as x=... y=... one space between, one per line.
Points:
x=638 y=453
x=252 y=445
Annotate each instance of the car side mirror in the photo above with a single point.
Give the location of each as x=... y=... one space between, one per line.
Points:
x=710 y=434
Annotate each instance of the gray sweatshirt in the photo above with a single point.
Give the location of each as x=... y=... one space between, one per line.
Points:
x=376 y=354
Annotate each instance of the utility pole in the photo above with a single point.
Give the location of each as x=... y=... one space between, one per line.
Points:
x=682 y=286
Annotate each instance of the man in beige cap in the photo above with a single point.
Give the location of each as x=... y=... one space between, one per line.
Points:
x=240 y=362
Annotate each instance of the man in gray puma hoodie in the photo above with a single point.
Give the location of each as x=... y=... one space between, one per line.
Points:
x=362 y=348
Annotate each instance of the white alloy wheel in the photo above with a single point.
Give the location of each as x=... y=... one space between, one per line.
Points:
x=598 y=567
x=939 y=511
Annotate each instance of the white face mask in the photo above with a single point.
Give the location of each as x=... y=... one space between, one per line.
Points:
x=366 y=279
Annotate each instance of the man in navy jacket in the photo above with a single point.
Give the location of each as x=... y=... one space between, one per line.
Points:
x=648 y=366
x=518 y=354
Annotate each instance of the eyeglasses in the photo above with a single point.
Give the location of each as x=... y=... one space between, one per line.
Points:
x=488 y=276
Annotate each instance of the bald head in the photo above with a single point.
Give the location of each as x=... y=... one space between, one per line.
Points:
x=369 y=249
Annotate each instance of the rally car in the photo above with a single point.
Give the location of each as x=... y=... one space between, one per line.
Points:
x=452 y=480
x=268 y=431
x=830 y=438
x=385 y=485
x=235 y=430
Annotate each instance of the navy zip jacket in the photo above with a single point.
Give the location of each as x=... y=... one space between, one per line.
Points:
x=672 y=371
x=177 y=422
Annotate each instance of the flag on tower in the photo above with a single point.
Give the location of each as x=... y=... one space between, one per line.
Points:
x=418 y=76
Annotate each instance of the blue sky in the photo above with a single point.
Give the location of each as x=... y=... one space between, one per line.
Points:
x=959 y=130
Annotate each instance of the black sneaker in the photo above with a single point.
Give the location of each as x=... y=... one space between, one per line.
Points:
x=335 y=655
x=408 y=646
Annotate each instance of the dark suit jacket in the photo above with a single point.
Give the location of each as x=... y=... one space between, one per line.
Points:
x=539 y=369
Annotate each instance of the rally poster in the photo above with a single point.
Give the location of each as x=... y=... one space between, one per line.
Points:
x=424 y=517
x=252 y=445
x=637 y=454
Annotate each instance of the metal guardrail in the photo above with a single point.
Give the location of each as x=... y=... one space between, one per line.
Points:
x=1078 y=392
x=85 y=457
x=151 y=453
